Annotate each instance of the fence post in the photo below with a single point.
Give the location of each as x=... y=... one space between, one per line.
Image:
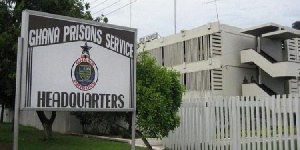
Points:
x=268 y=123
x=274 y=123
x=257 y=119
x=279 y=120
x=227 y=135
x=238 y=123
x=298 y=121
x=291 y=118
x=234 y=138
x=243 y=113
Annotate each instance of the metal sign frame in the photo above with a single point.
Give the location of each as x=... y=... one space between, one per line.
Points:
x=23 y=68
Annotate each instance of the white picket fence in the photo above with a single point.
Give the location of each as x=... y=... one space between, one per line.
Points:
x=237 y=123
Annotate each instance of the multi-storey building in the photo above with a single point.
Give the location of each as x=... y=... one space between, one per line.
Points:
x=226 y=60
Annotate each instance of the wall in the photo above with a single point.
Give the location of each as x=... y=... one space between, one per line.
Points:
x=232 y=69
x=272 y=48
x=253 y=90
x=196 y=94
x=8 y=115
x=233 y=79
x=275 y=84
x=64 y=122
x=232 y=44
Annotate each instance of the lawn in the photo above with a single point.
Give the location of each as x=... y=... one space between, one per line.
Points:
x=31 y=139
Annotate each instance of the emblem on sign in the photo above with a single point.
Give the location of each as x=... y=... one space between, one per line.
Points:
x=84 y=72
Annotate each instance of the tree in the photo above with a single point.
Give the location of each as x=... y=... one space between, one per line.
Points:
x=102 y=19
x=159 y=96
x=10 y=16
x=8 y=38
x=47 y=123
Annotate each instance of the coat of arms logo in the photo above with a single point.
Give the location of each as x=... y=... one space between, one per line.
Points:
x=84 y=72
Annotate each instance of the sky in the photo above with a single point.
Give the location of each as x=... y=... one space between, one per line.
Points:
x=150 y=16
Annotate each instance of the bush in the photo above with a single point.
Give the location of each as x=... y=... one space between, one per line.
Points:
x=99 y=123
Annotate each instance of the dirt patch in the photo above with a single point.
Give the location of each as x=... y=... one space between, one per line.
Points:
x=4 y=146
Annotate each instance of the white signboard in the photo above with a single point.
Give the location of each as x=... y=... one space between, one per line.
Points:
x=71 y=64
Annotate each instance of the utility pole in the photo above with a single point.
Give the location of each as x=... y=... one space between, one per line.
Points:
x=216 y=6
x=175 y=16
x=130 y=14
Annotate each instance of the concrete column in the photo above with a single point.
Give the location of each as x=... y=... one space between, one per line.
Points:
x=258 y=39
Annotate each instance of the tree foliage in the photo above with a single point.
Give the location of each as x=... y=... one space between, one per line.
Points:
x=159 y=96
x=102 y=19
x=8 y=38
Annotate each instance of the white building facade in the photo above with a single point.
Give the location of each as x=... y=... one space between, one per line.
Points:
x=218 y=59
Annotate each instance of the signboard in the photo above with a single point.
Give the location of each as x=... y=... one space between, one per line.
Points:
x=71 y=64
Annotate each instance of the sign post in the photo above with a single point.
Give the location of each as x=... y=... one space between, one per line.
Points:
x=17 y=98
x=133 y=130
x=70 y=64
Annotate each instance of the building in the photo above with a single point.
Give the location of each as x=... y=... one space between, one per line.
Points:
x=225 y=60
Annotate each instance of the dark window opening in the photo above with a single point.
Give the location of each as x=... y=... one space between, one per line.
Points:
x=184 y=79
x=184 y=53
x=162 y=56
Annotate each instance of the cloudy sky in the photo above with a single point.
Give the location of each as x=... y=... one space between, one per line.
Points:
x=150 y=16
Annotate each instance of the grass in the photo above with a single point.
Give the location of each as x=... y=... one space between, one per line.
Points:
x=31 y=138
